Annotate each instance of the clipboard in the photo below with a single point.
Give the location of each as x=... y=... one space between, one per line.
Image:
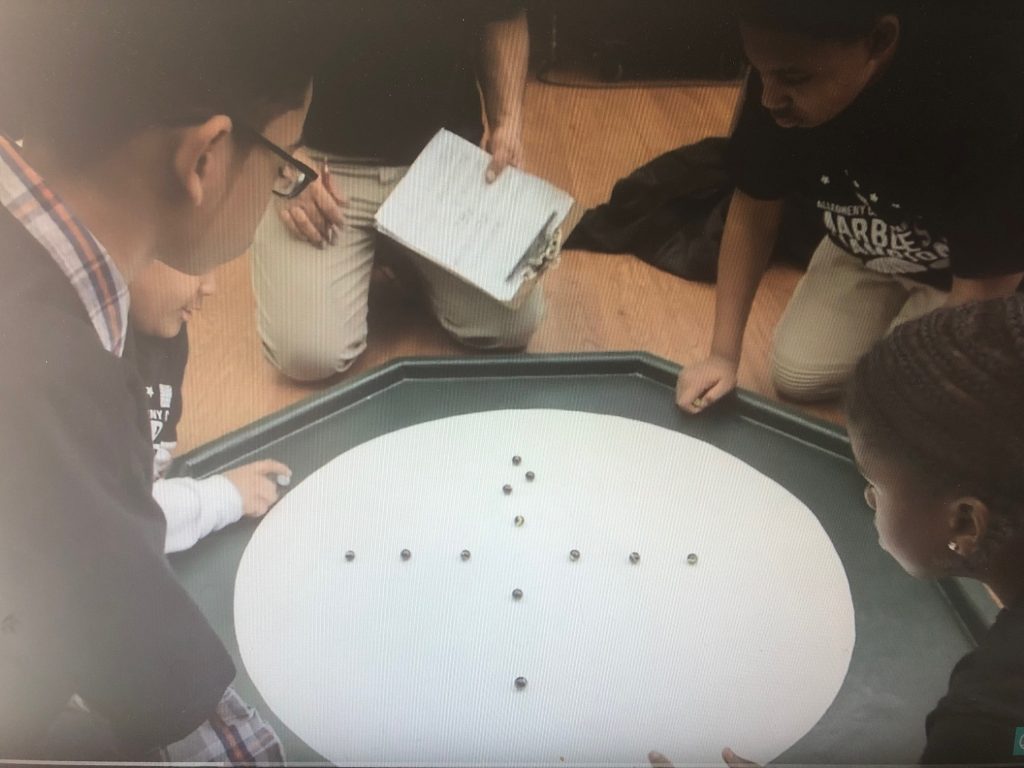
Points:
x=499 y=237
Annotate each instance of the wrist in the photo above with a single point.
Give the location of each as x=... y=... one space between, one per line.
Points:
x=509 y=122
x=727 y=352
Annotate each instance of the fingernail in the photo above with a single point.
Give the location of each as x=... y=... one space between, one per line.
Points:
x=491 y=176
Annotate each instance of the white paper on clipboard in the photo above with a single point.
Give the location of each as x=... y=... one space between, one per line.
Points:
x=444 y=210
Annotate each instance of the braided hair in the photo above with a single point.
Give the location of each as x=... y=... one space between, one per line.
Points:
x=943 y=397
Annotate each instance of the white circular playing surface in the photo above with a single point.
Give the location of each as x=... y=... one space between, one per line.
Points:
x=381 y=660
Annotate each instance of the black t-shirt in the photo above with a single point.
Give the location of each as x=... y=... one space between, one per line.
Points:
x=402 y=69
x=88 y=602
x=161 y=364
x=923 y=175
x=981 y=718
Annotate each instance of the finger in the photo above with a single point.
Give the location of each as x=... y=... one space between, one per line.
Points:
x=690 y=394
x=280 y=474
x=261 y=506
x=327 y=206
x=499 y=162
x=271 y=467
x=658 y=759
x=306 y=229
x=332 y=189
x=717 y=392
x=266 y=493
x=286 y=217
x=309 y=206
x=735 y=761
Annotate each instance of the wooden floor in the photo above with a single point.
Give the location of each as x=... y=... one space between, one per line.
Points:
x=582 y=140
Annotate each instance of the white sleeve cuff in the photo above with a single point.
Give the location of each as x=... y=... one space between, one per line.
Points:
x=196 y=508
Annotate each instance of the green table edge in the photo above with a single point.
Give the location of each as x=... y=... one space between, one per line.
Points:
x=969 y=599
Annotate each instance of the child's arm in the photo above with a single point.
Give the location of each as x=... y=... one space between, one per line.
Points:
x=751 y=228
x=196 y=508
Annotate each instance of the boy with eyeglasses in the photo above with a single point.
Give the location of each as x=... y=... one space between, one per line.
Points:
x=150 y=130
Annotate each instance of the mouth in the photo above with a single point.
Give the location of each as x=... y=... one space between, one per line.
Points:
x=785 y=119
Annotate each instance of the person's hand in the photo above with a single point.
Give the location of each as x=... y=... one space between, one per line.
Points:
x=315 y=215
x=257 y=485
x=505 y=145
x=731 y=759
x=735 y=761
x=705 y=383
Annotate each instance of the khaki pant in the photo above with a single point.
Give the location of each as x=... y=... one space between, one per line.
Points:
x=838 y=311
x=312 y=303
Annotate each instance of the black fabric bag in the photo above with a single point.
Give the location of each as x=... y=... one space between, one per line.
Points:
x=671 y=213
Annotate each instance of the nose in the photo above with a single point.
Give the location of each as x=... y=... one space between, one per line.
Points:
x=773 y=97
x=207 y=285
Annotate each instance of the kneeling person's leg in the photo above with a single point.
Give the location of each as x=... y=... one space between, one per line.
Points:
x=312 y=302
x=839 y=309
x=476 y=319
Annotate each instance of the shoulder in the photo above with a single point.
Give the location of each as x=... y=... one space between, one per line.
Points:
x=47 y=350
x=73 y=403
x=978 y=718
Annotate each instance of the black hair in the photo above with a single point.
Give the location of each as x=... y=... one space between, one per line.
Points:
x=943 y=398
x=86 y=75
x=816 y=19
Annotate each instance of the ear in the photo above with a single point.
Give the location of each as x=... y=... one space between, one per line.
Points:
x=884 y=38
x=201 y=156
x=968 y=519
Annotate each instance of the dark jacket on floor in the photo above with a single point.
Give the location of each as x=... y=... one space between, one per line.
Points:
x=671 y=213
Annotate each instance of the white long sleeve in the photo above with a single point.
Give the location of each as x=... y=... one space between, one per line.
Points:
x=196 y=508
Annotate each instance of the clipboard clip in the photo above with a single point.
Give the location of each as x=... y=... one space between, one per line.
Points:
x=543 y=251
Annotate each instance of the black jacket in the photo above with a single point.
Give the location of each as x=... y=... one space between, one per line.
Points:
x=671 y=214
x=88 y=603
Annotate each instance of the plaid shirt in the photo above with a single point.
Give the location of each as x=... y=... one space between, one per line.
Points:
x=83 y=260
x=235 y=734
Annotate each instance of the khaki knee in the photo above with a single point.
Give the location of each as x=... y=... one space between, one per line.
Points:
x=496 y=326
x=312 y=357
x=806 y=381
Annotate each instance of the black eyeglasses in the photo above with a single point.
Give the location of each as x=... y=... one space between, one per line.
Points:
x=292 y=177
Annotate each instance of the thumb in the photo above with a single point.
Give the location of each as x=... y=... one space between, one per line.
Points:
x=270 y=467
x=659 y=760
x=332 y=190
x=735 y=761
x=494 y=170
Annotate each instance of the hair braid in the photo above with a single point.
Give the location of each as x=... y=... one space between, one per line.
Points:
x=945 y=394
